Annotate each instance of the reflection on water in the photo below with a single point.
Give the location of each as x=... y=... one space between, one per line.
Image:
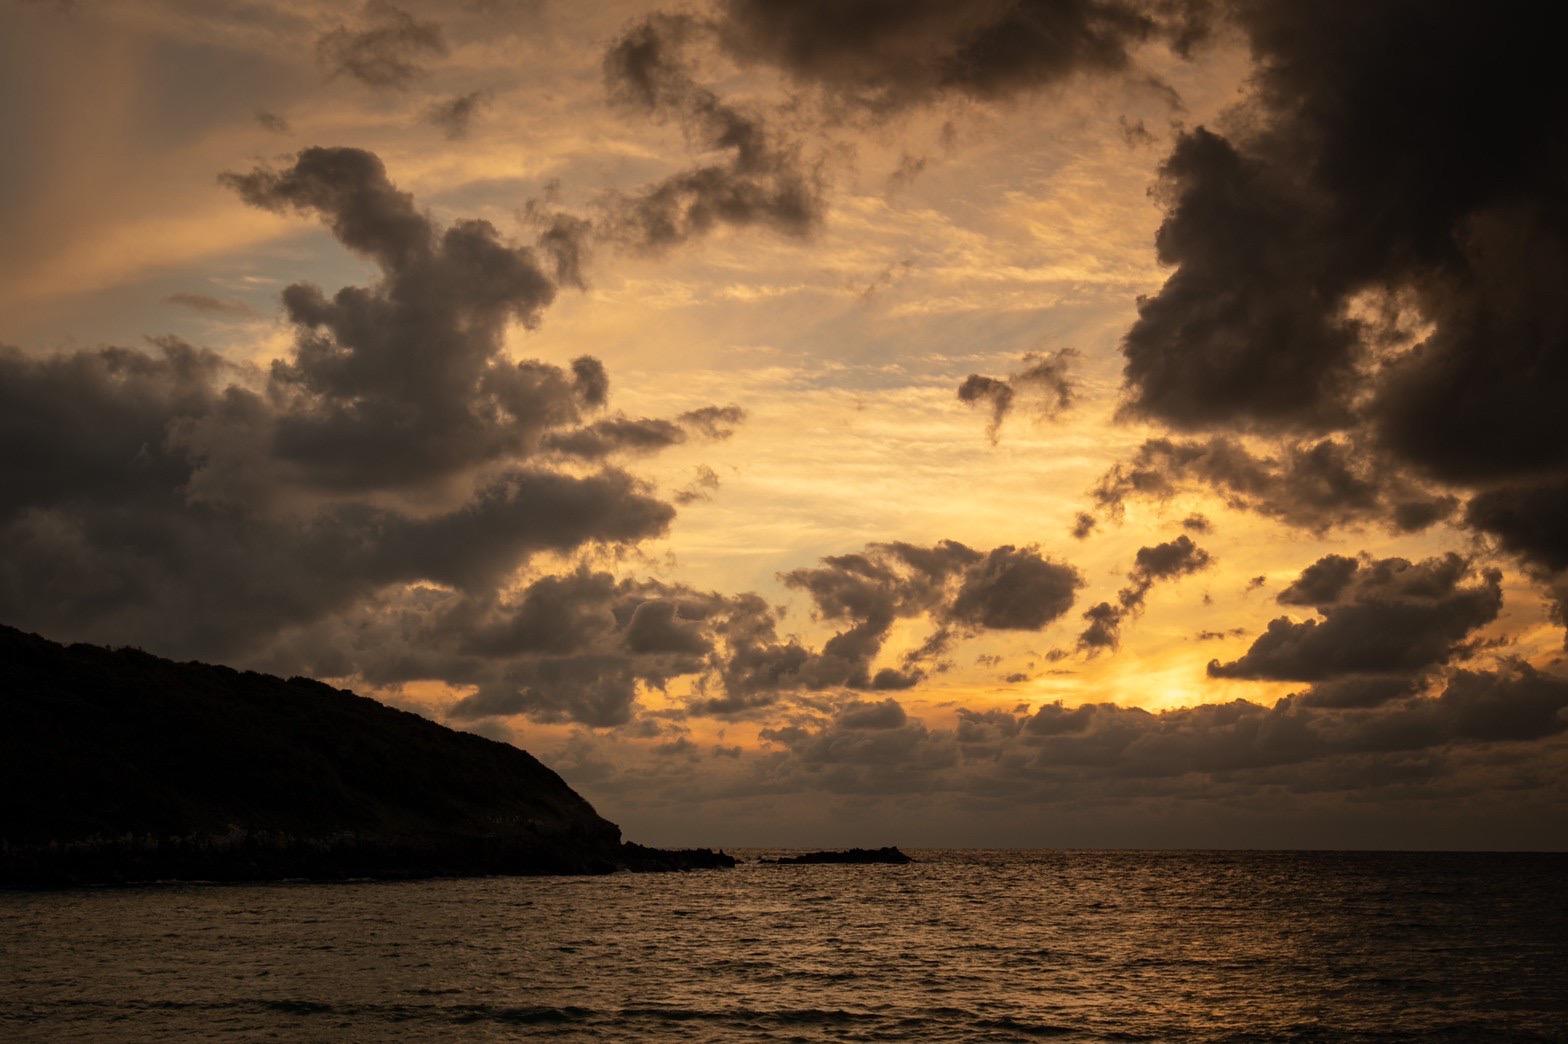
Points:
x=961 y=946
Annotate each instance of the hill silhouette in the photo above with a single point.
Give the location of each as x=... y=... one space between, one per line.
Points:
x=116 y=766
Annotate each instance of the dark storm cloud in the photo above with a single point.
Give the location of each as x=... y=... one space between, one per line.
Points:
x=1530 y=521
x=407 y=381
x=209 y=305
x=93 y=426
x=763 y=180
x=109 y=507
x=883 y=56
x=1167 y=561
x=455 y=115
x=1043 y=387
x=1397 y=147
x=1235 y=336
x=1379 y=246
x=1311 y=484
x=384 y=50
x=1384 y=625
x=218 y=582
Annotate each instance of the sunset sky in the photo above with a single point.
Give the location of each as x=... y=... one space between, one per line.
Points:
x=1013 y=422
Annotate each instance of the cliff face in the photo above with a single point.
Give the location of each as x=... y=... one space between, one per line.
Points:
x=116 y=765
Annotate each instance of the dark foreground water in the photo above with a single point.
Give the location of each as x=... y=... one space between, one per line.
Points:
x=962 y=946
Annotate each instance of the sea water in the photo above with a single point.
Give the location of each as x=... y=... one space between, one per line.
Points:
x=962 y=945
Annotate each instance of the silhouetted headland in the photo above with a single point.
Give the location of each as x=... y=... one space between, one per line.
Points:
x=889 y=854
x=117 y=766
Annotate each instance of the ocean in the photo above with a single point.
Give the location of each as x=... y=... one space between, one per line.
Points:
x=962 y=945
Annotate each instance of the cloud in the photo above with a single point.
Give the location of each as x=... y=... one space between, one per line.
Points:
x=1314 y=485
x=1014 y=589
x=883 y=57
x=272 y=121
x=713 y=422
x=1167 y=561
x=385 y=50
x=1043 y=386
x=455 y=115
x=1236 y=336
x=703 y=482
x=1214 y=636
x=621 y=434
x=869 y=58
x=764 y=181
x=106 y=518
x=209 y=305
x=1385 y=624
x=1516 y=704
x=873 y=57
x=578 y=646
x=1280 y=248
x=956 y=587
x=1373 y=247
x=1530 y=520
x=884 y=714
x=1032 y=757
x=1321 y=583
x=407 y=381
x=615 y=435
x=383 y=483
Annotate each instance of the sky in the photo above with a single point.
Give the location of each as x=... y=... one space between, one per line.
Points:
x=995 y=423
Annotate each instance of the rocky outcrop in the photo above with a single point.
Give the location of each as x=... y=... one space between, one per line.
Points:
x=889 y=854
x=118 y=766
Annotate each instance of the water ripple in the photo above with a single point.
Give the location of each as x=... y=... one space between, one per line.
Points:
x=960 y=946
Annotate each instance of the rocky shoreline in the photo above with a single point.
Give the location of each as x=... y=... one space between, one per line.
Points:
x=125 y=862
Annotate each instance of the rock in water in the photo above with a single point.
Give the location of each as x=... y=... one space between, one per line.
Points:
x=889 y=854
x=119 y=766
